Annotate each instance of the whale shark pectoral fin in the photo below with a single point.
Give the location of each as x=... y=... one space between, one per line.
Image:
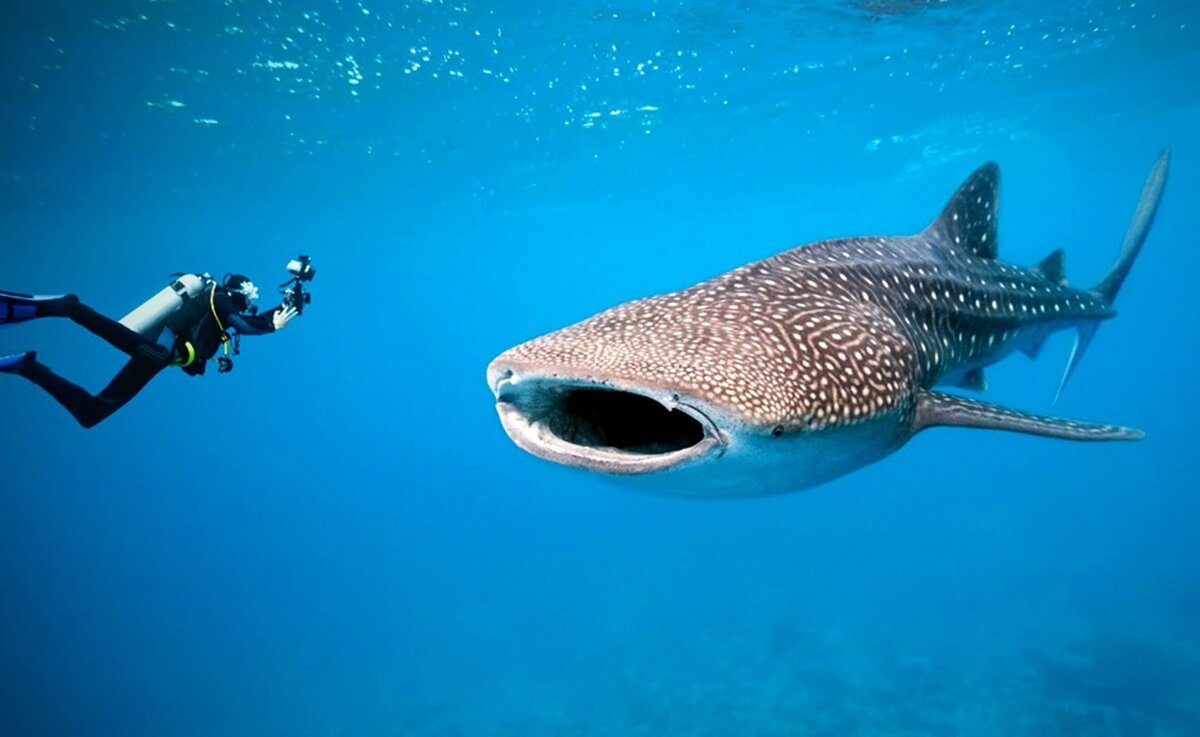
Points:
x=937 y=409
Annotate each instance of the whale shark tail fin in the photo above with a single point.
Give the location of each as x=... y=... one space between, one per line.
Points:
x=1083 y=338
x=1135 y=238
x=1139 y=228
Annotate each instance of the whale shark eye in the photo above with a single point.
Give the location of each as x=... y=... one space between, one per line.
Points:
x=778 y=431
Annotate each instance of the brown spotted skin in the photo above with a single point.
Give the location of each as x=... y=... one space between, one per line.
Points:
x=806 y=365
x=827 y=334
x=810 y=359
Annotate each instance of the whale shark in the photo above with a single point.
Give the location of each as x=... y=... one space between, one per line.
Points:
x=794 y=370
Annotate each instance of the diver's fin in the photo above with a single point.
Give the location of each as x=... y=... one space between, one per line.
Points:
x=1053 y=268
x=968 y=221
x=18 y=307
x=973 y=380
x=935 y=408
x=16 y=363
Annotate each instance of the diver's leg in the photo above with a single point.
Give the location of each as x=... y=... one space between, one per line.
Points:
x=87 y=409
x=114 y=333
x=15 y=363
x=130 y=380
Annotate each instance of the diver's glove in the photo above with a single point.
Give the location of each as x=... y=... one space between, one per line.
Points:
x=282 y=317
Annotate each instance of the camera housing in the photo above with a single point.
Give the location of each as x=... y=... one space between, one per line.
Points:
x=301 y=268
x=294 y=294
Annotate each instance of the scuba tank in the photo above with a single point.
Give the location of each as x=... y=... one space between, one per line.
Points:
x=151 y=316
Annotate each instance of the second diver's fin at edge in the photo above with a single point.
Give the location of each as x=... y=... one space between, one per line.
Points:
x=937 y=409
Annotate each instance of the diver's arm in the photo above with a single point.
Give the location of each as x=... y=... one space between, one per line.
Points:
x=229 y=317
x=259 y=324
x=270 y=321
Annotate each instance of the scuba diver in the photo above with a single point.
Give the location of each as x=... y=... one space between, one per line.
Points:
x=185 y=325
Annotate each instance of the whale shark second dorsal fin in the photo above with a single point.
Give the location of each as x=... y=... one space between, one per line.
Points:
x=1053 y=268
x=969 y=219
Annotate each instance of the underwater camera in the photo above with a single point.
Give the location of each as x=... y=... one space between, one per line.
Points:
x=294 y=294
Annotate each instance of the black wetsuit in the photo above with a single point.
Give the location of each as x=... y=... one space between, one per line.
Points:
x=146 y=357
x=201 y=329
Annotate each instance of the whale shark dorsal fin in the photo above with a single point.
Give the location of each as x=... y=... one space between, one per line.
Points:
x=1053 y=267
x=969 y=220
x=936 y=409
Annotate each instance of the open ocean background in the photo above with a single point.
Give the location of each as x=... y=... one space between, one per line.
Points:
x=338 y=539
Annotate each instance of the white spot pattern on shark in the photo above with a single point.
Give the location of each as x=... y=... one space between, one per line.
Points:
x=830 y=351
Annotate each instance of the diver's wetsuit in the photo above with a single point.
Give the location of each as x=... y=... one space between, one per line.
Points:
x=146 y=357
x=205 y=334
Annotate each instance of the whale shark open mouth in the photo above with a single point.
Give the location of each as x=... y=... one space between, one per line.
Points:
x=599 y=427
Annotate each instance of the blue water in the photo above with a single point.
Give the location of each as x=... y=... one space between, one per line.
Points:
x=337 y=538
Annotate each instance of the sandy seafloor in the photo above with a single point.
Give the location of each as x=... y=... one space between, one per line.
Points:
x=338 y=539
